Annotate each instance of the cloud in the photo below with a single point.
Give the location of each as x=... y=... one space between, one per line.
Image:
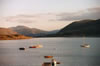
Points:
x=25 y=21
x=91 y=13
x=30 y=18
x=40 y=19
x=20 y=19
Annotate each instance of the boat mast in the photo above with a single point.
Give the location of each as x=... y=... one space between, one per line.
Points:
x=83 y=39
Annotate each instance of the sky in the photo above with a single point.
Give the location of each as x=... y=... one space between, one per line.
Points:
x=46 y=14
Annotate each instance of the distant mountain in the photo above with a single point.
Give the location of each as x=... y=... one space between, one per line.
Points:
x=47 y=34
x=53 y=32
x=89 y=28
x=8 y=34
x=81 y=28
x=27 y=31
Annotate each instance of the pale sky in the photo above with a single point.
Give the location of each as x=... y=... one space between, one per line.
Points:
x=46 y=14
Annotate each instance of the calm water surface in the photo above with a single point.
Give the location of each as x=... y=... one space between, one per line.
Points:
x=65 y=50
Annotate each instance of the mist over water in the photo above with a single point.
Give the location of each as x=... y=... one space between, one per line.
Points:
x=65 y=50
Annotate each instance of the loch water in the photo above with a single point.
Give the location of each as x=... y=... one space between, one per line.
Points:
x=67 y=51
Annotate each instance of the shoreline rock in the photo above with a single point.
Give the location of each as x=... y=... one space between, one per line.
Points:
x=13 y=37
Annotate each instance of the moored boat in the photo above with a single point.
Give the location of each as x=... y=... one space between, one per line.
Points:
x=36 y=46
x=85 y=46
x=22 y=48
x=48 y=56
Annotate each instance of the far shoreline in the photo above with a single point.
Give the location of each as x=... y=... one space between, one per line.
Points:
x=54 y=37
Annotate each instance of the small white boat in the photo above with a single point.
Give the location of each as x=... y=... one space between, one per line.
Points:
x=85 y=46
x=39 y=46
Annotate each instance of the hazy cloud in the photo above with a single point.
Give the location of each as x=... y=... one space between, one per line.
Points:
x=31 y=18
x=91 y=13
x=20 y=19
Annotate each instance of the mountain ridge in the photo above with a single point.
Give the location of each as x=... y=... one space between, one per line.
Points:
x=83 y=27
x=26 y=30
